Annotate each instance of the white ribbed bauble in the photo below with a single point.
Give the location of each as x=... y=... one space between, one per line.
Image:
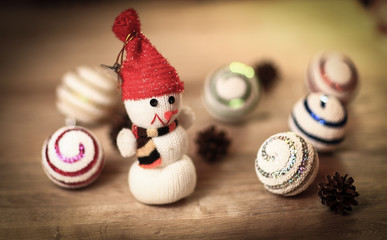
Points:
x=286 y=164
x=333 y=73
x=320 y=119
x=89 y=94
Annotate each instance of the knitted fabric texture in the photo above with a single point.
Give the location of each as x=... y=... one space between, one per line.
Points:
x=163 y=185
x=88 y=94
x=151 y=92
x=147 y=153
x=320 y=119
x=334 y=74
x=145 y=72
x=286 y=164
x=72 y=157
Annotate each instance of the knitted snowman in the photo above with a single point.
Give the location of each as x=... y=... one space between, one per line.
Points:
x=151 y=92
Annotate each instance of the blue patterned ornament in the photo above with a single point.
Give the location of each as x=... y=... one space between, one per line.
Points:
x=320 y=119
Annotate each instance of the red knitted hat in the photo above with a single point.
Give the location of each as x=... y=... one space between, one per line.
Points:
x=145 y=73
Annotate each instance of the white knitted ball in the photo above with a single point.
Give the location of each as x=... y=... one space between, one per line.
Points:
x=88 y=94
x=334 y=74
x=72 y=157
x=231 y=92
x=163 y=185
x=286 y=164
x=320 y=119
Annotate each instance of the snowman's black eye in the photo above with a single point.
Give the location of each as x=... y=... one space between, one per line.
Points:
x=153 y=102
x=171 y=99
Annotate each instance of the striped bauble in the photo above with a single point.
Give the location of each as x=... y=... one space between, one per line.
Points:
x=88 y=94
x=72 y=157
x=320 y=119
x=333 y=73
x=286 y=164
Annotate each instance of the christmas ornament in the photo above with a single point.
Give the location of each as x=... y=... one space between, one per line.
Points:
x=72 y=157
x=151 y=92
x=338 y=193
x=231 y=92
x=286 y=164
x=212 y=144
x=320 y=119
x=88 y=94
x=334 y=74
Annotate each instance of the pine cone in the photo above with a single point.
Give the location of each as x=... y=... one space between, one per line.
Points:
x=120 y=121
x=267 y=74
x=212 y=144
x=338 y=194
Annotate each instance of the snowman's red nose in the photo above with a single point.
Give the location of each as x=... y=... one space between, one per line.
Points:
x=168 y=114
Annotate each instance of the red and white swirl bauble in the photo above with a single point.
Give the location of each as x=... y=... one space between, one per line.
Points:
x=333 y=73
x=72 y=157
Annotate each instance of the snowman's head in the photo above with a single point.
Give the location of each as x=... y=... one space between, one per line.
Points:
x=154 y=112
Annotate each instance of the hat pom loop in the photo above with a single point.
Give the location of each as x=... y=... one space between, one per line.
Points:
x=126 y=25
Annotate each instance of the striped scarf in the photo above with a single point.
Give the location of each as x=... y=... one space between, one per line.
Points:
x=147 y=153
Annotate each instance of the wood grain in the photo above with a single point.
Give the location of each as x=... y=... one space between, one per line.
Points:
x=40 y=43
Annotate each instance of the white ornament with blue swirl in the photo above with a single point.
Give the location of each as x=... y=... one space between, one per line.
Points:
x=321 y=119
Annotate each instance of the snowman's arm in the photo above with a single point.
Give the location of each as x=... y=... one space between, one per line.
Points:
x=186 y=117
x=126 y=142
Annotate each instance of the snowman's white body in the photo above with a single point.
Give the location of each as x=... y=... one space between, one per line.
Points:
x=175 y=178
x=172 y=146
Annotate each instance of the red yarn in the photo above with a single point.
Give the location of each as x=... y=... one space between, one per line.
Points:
x=126 y=23
x=145 y=73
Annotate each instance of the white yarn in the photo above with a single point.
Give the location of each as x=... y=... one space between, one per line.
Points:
x=163 y=185
x=71 y=110
x=172 y=146
x=88 y=94
x=338 y=72
x=126 y=143
x=282 y=169
x=333 y=111
x=70 y=99
x=77 y=83
x=101 y=77
x=175 y=178
x=186 y=117
x=142 y=113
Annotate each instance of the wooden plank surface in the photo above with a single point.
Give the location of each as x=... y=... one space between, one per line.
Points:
x=40 y=43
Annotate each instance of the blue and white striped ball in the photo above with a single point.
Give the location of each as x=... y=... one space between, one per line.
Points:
x=320 y=119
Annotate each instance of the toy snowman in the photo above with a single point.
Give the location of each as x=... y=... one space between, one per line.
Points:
x=151 y=92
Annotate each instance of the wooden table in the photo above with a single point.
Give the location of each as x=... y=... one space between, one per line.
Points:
x=40 y=43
